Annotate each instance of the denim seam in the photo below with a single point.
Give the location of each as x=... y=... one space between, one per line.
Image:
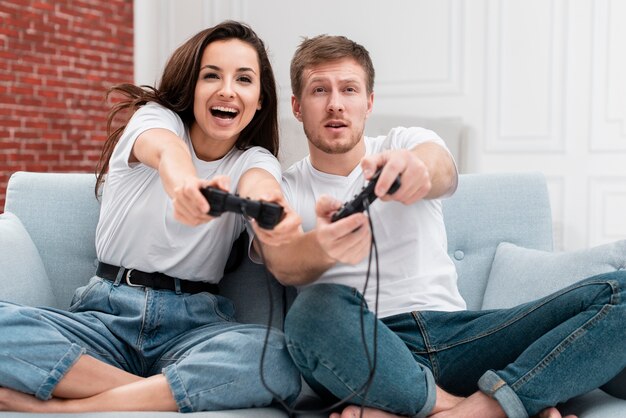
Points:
x=44 y=391
x=523 y=314
x=491 y=384
x=431 y=397
x=559 y=349
x=140 y=334
x=355 y=393
x=430 y=350
x=177 y=387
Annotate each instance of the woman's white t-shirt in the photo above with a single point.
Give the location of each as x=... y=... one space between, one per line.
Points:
x=137 y=228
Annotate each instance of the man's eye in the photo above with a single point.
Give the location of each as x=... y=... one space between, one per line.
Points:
x=318 y=90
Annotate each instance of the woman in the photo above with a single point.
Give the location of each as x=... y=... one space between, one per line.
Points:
x=149 y=331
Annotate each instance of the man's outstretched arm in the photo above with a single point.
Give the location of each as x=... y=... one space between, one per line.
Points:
x=303 y=260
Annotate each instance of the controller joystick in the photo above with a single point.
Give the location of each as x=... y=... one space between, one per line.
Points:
x=364 y=198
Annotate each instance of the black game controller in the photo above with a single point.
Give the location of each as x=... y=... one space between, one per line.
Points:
x=267 y=214
x=364 y=198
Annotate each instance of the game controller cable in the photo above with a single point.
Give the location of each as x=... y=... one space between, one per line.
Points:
x=360 y=202
x=364 y=389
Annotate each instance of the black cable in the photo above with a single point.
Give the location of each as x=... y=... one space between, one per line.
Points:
x=371 y=363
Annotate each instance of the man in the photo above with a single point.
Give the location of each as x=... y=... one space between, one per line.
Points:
x=414 y=349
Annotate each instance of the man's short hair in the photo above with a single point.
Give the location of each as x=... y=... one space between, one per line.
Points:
x=326 y=48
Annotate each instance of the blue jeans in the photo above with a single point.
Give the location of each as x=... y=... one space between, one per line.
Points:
x=528 y=358
x=210 y=361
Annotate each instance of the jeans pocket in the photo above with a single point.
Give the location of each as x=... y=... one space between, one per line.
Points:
x=210 y=306
x=224 y=307
x=82 y=292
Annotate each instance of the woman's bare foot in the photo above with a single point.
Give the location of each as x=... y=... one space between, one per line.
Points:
x=12 y=400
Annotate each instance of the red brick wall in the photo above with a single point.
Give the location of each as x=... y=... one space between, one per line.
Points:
x=57 y=59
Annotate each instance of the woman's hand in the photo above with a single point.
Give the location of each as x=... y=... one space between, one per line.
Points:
x=190 y=206
x=289 y=227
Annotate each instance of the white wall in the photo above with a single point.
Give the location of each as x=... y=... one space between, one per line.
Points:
x=539 y=84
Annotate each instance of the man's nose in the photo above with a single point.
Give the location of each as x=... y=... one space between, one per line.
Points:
x=335 y=104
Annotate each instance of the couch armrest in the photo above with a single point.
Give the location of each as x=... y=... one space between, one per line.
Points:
x=60 y=212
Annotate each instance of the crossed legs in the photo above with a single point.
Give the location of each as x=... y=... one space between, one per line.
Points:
x=92 y=385
x=529 y=346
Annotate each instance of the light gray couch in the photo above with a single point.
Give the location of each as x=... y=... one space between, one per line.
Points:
x=59 y=212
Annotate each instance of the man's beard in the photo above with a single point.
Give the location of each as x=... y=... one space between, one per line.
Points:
x=338 y=147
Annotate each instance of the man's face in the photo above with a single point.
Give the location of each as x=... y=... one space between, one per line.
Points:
x=333 y=105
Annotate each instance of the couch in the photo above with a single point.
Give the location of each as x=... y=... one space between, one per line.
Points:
x=493 y=221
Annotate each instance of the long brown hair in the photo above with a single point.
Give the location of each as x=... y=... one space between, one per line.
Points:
x=177 y=87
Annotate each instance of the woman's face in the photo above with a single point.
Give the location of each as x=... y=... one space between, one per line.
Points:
x=227 y=95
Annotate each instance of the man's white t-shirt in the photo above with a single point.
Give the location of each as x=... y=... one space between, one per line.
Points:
x=137 y=228
x=416 y=272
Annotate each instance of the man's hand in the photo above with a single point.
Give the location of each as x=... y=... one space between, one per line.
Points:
x=190 y=206
x=347 y=240
x=415 y=177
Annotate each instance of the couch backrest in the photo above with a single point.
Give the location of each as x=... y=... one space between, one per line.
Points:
x=60 y=213
x=488 y=209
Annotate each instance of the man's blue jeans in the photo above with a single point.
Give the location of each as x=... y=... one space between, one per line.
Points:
x=528 y=358
x=210 y=361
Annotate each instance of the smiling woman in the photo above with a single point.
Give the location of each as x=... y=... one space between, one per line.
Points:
x=212 y=121
x=227 y=96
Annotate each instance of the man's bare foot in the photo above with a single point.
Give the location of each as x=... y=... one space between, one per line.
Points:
x=354 y=411
x=553 y=413
x=445 y=401
x=478 y=405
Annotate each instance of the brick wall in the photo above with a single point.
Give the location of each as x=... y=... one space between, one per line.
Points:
x=57 y=59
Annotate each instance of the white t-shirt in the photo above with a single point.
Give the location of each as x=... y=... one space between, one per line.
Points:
x=416 y=273
x=137 y=228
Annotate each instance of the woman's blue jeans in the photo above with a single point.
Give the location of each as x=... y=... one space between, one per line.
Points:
x=210 y=361
x=528 y=358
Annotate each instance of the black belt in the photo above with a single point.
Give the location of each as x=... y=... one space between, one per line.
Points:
x=137 y=278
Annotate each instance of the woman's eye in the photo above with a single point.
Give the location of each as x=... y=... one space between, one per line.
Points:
x=209 y=75
x=245 y=79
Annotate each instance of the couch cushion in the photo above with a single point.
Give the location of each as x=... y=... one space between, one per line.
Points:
x=23 y=277
x=257 y=296
x=486 y=210
x=595 y=404
x=520 y=275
